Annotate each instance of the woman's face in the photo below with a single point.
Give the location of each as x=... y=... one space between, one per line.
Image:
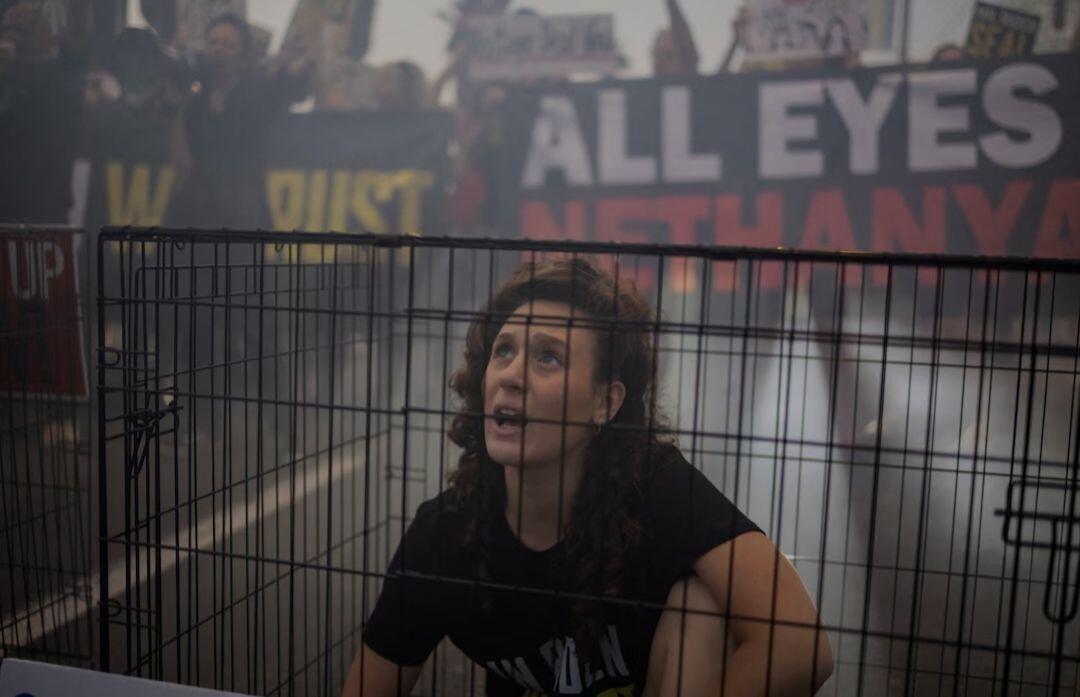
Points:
x=533 y=371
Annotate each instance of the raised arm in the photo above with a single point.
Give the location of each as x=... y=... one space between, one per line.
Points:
x=773 y=620
x=682 y=39
x=371 y=675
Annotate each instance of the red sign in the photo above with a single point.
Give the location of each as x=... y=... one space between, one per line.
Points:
x=40 y=326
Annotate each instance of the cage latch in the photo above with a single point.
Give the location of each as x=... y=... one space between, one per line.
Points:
x=143 y=426
x=1045 y=515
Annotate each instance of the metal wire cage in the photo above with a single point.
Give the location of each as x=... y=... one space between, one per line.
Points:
x=273 y=408
x=45 y=607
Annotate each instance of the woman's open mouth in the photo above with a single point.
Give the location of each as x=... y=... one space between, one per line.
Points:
x=507 y=421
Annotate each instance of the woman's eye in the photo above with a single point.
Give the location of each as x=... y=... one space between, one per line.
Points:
x=548 y=358
x=502 y=350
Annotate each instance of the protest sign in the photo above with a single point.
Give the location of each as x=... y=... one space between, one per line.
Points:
x=998 y=32
x=528 y=47
x=329 y=29
x=334 y=35
x=40 y=322
x=882 y=20
x=800 y=29
x=977 y=159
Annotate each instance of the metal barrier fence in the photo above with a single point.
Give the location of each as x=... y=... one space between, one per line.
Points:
x=273 y=408
x=45 y=542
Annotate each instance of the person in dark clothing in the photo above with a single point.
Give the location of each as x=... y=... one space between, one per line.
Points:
x=42 y=73
x=947 y=53
x=221 y=138
x=138 y=78
x=572 y=520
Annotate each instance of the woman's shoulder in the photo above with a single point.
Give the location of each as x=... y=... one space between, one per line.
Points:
x=439 y=513
x=437 y=521
x=680 y=497
x=436 y=528
x=667 y=466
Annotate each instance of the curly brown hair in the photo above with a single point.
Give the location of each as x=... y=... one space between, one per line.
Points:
x=604 y=533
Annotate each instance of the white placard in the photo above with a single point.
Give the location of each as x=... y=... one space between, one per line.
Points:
x=790 y=29
x=19 y=678
x=527 y=47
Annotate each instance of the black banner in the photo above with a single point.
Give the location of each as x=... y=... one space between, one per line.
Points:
x=323 y=171
x=968 y=159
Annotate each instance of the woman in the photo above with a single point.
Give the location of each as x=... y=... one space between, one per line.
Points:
x=571 y=520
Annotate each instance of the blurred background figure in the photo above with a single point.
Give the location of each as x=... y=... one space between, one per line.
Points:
x=220 y=140
x=401 y=86
x=183 y=24
x=480 y=136
x=459 y=48
x=673 y=50
x=947 y=53
x=138 y=74
x=345 y=84
x=44 y=48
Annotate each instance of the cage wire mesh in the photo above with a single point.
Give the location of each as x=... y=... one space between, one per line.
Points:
x=273 y=408
x=45 y=543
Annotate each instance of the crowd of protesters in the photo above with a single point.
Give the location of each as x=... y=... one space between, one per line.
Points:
x=57 y=73
x=58 y=76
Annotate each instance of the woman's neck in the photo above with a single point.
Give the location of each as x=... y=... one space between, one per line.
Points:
x=539 y=499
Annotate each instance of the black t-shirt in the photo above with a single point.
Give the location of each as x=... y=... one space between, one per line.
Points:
x=516 y=627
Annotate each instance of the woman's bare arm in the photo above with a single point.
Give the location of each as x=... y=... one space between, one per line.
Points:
x=772 y=620
x=371 y=675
